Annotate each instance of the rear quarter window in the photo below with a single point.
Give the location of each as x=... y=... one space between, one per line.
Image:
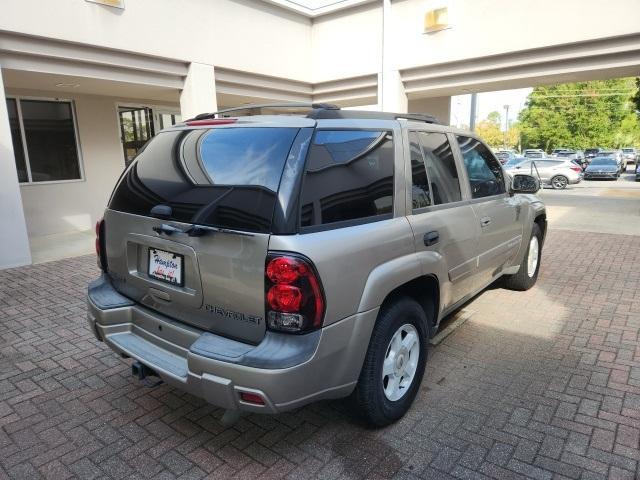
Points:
x=348 y=178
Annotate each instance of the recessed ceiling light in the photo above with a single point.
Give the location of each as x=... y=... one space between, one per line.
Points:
x=67 y=85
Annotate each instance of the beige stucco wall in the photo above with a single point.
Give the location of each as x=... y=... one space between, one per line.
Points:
x=486 y=27
x=64 y=207
x=241 y=34
x=347 y=44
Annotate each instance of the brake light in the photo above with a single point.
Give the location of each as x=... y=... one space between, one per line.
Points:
x=211 y=121
x=251 y=398
x=576 y=169
x=100 y=248
x=294 y=301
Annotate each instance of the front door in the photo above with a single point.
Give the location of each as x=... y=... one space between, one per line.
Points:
x=497 y=212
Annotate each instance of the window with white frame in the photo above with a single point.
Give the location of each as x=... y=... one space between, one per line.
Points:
x=45 y=141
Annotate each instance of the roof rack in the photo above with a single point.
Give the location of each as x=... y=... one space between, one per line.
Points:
x=318 y=111
x=256 y=108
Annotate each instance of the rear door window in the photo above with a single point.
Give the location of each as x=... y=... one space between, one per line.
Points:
x=348 y=178
x=441 y=167
x=222 y=177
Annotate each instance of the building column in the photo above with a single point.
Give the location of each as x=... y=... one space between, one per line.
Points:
x=199 y=92
x=394 y=98
x=14 y=241
x=439 y=107
x=391 y=93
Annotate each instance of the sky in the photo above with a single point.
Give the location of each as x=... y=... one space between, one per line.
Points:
x=488 y=102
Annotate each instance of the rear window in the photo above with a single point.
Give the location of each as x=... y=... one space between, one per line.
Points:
x=224 y=177
x=348 y=178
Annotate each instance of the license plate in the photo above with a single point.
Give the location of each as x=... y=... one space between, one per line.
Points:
x=166 y=266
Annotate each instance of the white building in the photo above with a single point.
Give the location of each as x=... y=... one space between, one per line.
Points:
x=87 y=82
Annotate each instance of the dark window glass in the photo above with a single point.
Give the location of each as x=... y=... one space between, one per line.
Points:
x=242 y=156
x=420 y=196
x=441 y=167
x=18 y=150
x=349 y=176
x=233 y=186
x=136 y=128
x=51 y=140
x=485 y=172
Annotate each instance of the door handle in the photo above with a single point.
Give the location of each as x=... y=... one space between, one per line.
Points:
x=431 y=238
x=485 y=221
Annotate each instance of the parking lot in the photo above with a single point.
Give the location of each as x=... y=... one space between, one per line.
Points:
x=540 y=384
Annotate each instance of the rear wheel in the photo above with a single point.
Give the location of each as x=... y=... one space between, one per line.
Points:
x=394 y=364
x=530 y=266
x=559 y=182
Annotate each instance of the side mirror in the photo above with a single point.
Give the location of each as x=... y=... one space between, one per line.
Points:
x=524 y=184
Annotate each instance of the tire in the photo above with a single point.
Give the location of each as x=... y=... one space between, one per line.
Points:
x=559 y=182
x=371 y=396
x=524 y=279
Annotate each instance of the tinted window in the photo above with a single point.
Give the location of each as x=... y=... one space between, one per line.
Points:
x=51 y=140
x=16 y=137
x=419 y=184
x=241 y=156
x=485 y=172
x=225 y=186
x=441 y=167
x=349 y=176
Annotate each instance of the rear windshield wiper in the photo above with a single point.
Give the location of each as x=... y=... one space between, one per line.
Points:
x=196 y=230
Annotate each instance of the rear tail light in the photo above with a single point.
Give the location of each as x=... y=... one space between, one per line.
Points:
x=294 y=301
x=100 y=247
x=576 y=169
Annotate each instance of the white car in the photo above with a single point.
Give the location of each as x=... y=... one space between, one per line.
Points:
x=556 y=172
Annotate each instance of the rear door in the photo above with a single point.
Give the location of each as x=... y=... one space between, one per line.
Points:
x=225 y=180
x=441 y=219
x=498 y=213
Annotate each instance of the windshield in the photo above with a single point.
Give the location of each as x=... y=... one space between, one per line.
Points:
x=604 y=161
x=628 y=150
x=513 y=162
x=591 y=150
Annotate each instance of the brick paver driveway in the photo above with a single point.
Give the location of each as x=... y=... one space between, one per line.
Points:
x=542 y=384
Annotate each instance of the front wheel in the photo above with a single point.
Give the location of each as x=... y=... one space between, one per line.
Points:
x=394 y=364
x=530 y=266
x=559 y=182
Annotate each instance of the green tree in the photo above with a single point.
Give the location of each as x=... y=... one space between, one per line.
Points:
x=577 y=115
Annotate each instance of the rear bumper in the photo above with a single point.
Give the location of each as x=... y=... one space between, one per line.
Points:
x=287 y=371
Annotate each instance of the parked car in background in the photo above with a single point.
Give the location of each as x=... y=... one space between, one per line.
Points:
x=637 y=171
x=605 y=167
x=513 y=162
x=591 y=153
x=225 y=277
x=556 y=172
x=631 y=154
x=619 y=158
x=505 y=155
x=533 y=153
x=570 y=154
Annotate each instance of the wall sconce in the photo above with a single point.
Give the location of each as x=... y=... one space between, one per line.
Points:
x=436 y=19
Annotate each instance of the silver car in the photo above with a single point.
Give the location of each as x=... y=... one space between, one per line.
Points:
x=555 y=172
x=265 y=262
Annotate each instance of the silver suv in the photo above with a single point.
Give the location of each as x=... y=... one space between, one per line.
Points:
x=263 y=262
